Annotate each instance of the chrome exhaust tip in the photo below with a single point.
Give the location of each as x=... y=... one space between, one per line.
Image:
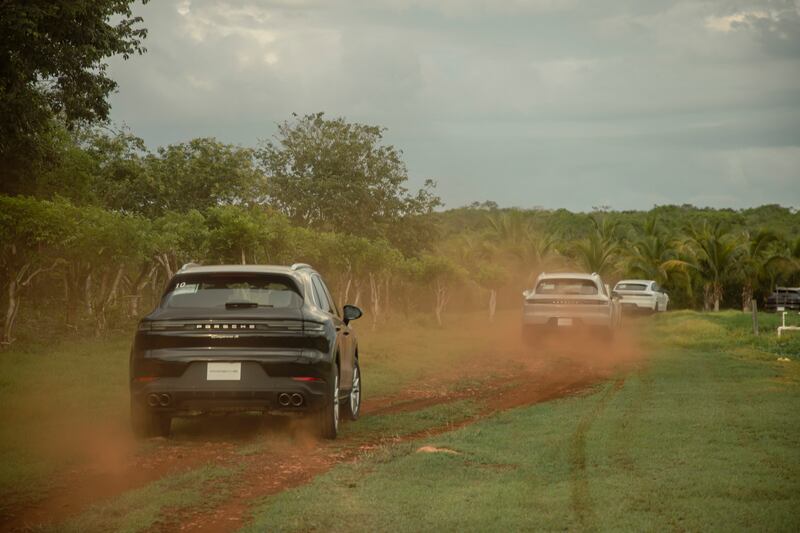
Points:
x=164 y=400
x=284 y=399
x=297 y=399
x=152 y=400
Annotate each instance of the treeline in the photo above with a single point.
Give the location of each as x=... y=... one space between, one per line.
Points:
x=89 y=241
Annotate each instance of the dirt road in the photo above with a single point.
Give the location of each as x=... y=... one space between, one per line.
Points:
x=273 y=455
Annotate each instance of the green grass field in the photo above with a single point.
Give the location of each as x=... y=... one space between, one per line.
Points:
x=703 y=435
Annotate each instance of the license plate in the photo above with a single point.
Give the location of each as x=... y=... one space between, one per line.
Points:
x=780 y=308
x=564 y=322
x=224 y=372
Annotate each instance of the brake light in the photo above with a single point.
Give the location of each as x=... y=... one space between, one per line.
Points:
x=306 y=378
x=144 y=379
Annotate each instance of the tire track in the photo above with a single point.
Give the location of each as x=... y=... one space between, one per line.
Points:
x=580 y=494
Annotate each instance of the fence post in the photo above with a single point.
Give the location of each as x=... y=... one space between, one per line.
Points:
x=755 y=317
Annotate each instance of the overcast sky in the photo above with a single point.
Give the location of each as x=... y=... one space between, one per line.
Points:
x=553 y=103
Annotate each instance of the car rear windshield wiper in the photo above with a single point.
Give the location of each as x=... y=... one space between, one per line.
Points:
x=244 y=305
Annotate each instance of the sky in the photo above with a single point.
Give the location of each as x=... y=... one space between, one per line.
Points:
x=527 y=103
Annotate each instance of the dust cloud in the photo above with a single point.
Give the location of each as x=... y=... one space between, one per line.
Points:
x=99 y=458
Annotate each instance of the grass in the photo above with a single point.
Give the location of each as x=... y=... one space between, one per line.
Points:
x=62 y=388
x=141 y=509
x=49 y=391
x=704 y=438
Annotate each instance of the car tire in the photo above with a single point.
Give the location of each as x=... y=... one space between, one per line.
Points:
x=146 y=424
x=353 y=406
x=329 y=413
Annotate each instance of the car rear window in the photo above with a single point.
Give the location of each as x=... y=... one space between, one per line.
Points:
x=566 y=286
x=218 y=291
x=630 y=287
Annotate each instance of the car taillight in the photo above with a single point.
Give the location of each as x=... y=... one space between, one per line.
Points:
x=306 y=378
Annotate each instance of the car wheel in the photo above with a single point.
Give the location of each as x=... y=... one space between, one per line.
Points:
x=353 y=406
x=329 y=414
x=146 y=424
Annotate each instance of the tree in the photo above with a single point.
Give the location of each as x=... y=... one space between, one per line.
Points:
x=30 y=230
x=245 y=235
x=651 y=253
x=757 y=256
x=200 y=174
x=52 y=55
x=335 y=175
x=179 y=238
x=714 y=254
x=491 y=277
x=597 y=252
x=440 y=274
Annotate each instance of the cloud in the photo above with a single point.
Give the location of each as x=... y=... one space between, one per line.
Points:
x=735 y=21
x=545 y=102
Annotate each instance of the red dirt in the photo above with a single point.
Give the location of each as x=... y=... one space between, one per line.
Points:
x=537 y=380
x=291 y=457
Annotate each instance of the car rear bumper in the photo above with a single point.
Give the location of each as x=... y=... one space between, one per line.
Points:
x=787 y=306
x=533 y=318
x=255 y=390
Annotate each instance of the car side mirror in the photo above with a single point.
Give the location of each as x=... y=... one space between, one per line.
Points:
x=351 y=312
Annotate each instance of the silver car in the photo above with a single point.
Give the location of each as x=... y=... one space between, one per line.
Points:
x=641 y=295
x=568 y=300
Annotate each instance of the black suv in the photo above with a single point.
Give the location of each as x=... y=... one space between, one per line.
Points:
x=784 y=299
x=245 y=338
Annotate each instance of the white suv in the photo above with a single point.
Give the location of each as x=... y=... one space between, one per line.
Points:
x=568 y=300
x=641 y=295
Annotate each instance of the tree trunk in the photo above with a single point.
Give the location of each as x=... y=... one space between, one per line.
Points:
x=106 y=296
x=707 y=297
x=442 y=297
x=375 y=299
x=163 y=260
x=492 y=304
x=747 y=297
x=347 y=290
x=138 y=288
x=357 y=299
x=11 y=311
x=244 y=261
x=386 y=295
x=16 y=286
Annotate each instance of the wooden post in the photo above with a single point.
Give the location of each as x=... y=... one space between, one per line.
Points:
x=754 y=305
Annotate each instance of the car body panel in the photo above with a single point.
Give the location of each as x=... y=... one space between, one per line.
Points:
x=287 y=349
x=641 y=295
x=550 y=309
x=784 y=298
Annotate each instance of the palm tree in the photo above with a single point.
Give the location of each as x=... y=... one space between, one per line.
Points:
x=757 y=257
x=597 y=252
x=651 y=254
x=714 y=256
x=513 y=235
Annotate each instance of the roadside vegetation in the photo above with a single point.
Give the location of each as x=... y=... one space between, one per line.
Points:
x=93 y=222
